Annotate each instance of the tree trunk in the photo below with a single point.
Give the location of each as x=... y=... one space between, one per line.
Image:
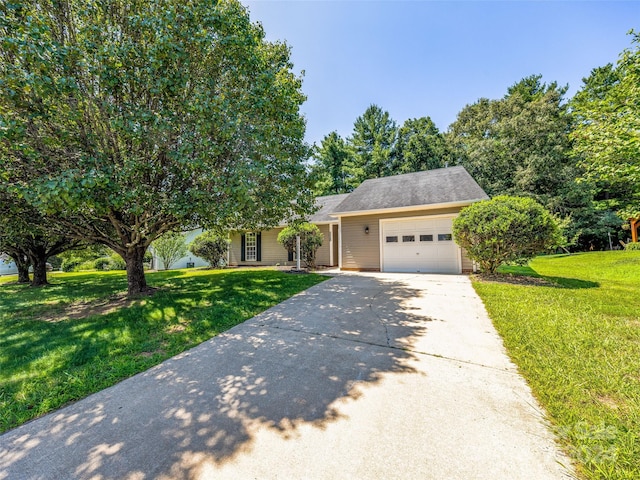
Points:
x=39 y=270
x=136 y=281
x=22 y=264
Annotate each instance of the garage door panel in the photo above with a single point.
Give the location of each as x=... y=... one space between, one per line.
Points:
x=426 y=254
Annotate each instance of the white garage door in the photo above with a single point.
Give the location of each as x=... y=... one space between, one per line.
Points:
x=419 y=245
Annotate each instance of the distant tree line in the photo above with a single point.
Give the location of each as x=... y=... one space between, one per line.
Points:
x=579 y=157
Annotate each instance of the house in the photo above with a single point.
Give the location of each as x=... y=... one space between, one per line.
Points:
x=188 y=261
x=262 y=248
x=401 y=223
x=7 y=266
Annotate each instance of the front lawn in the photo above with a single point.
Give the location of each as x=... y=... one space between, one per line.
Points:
x=80 y=334
x=574 y=332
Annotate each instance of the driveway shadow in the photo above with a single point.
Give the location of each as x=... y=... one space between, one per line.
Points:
x=290 y=366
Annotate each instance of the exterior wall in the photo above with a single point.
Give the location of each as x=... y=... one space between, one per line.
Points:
x=188 y=258
x=361 y=251
x=323 y=255
x=8 y=268
x=271 y=251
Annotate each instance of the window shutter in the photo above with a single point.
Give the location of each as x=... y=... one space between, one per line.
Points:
x=242 y=248
x=259 y=246
x=290 y=256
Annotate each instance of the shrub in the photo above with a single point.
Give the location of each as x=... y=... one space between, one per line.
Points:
x=70 y=264
x=116 y=262
x=632 y=246
x=102 y=263
x=211 y=247
x=505 y=229
x=84 y=266
x=170 y=247
x=310 y=240
x=73 y=259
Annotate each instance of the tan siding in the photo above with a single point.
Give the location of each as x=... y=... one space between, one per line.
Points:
x=323 y=255
x=272 y=252
x=362 y=251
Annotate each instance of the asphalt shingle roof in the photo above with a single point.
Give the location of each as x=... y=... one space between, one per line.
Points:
x=327 y=204
x=443 y=185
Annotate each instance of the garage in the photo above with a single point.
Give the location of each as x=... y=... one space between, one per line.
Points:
x=423 y=244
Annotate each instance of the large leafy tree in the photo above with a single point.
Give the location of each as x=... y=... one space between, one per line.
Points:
x=331 y=170
x=519 y=145
x=607 y=130
x=420 y=146
x=29 y=239
x=125 y=120
x=373 y=141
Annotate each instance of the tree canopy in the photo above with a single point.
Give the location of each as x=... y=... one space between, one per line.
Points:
x=332 y=167
x=607 y=129
x=373 y=140
x=419 y=146
x=122 y=121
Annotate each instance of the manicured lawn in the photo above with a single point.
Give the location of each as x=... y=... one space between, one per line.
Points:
x=52 y=353
x=577 y=341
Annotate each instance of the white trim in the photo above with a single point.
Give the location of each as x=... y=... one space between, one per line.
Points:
x=254 y=256
x=413 y=208
x=331 y=240
x=419 y=217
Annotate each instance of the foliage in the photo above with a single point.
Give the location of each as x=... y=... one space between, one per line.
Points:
x=310 y=240
x=170 y=247
x=29 y=237
x=331 y=168
x=575 y=338
x=607 y=121
x=518 y=145
x=373 y=140
x=127 y=120
x=212 y=247
x=632 y=246
x=420 y=146
x=505 y=229
x=72 y=258
x=46 y=364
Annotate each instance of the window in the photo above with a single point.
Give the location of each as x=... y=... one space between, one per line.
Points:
x=444 y=237
x=392 y=239
x=251 y=247
x=426 y=238
x=408 y=238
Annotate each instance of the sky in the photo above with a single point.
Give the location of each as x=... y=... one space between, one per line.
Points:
x=432 y=58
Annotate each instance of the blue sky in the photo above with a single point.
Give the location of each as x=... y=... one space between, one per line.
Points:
x=431 y=58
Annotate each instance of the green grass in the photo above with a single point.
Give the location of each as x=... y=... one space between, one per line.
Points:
x=577 y=341
x=46 y=362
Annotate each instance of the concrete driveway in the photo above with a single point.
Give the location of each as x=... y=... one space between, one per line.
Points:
x=364 y=376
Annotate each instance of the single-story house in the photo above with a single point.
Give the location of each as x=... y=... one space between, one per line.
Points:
x=262 y=248
x=7 y=266
x=401 y=223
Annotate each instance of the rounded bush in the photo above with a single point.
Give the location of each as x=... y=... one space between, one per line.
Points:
x=632 y=246
x=505 y=229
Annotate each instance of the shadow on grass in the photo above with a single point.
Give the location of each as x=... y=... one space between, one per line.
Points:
x=525 y=275
x=45 y=364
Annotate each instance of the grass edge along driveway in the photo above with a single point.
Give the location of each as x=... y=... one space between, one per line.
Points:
x=574 y=332
x=79 y=335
